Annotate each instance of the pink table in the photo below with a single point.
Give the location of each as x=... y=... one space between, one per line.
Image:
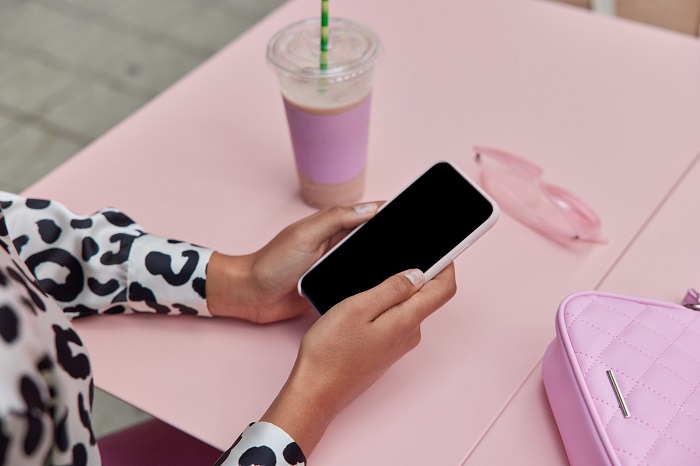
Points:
x=610 y=109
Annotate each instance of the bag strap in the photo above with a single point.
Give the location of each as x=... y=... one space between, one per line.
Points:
x=692 y=299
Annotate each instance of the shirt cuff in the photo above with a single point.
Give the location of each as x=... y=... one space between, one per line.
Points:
x=263 y=443
x=167 y=276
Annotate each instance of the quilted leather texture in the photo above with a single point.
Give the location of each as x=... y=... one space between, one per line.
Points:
x=654 y=351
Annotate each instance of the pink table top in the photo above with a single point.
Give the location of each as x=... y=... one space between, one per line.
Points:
x=609 y=109
x=650 y=268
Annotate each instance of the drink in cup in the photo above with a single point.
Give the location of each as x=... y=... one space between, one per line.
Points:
x=327 y=106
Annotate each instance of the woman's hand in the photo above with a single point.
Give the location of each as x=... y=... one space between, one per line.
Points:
x=261 y=287
x=350 y=347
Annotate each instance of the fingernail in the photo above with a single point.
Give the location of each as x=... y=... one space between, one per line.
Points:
x=415 y=276
x=365 y=209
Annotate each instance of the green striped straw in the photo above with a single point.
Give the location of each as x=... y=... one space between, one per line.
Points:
x=324 y=34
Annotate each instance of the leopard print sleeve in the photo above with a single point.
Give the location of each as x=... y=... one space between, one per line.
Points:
x=46 y=387
x=263 y=443
x=105 y=262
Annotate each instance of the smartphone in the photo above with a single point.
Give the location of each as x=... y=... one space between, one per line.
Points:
x=426 y=227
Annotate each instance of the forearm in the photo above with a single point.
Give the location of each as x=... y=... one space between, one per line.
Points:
x=301 y=411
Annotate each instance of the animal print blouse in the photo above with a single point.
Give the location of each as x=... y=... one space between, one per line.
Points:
x=56 y=266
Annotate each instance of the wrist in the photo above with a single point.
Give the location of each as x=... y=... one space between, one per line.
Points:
x=228 y=286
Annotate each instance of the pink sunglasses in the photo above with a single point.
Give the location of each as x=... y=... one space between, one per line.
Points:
x=518 y=188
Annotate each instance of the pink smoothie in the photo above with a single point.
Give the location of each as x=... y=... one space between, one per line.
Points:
x=330 y=147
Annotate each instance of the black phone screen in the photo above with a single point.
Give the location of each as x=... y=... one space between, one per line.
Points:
x=415 y=230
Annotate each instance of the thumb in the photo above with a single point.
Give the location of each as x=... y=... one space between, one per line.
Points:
x=392 y=291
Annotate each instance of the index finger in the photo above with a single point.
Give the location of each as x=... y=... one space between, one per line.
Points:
x=327 y=223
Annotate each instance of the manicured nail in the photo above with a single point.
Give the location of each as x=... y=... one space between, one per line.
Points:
x=365 y=209
x=415 y=276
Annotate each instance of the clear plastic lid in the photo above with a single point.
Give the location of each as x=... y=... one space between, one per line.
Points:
x=295 y=51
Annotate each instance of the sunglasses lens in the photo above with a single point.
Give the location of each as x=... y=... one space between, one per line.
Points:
x=528 y=205
x=547 y=209
x=508 y=181
x=517 y=187
x=583 y=220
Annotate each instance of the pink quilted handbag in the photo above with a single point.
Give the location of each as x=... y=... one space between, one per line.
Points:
x=623 y=380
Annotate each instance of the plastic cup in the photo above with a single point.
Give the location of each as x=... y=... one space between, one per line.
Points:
x=327 y=110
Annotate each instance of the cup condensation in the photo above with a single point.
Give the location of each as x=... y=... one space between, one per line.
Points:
x=327 y=110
